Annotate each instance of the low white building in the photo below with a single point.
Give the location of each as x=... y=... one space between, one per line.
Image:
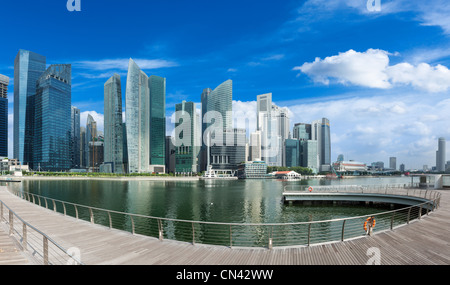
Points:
x=350 y=166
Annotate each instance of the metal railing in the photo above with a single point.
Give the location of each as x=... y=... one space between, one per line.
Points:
x=41 y=248
x=246 y=234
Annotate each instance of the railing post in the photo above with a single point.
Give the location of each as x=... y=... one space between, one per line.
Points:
x=343 y=226
x=392 y=221
x=132 y=225
x=54 y=206
x=420 y=212
x=11 y=223
x=409 y=213
x=160 y=230
x=91 y=214
x=309 y=234
x=46 y=204
x=110 y=220
x=64 y=207
x=45 y=250
x=76 y=211
x=193 y=234
x=24 y=239
x=231 y=238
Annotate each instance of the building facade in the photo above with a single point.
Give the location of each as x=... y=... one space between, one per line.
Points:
x=440 y=155
x=252 y=169
x=52 y=129
x=292 y=152
x=138 y=119
x=226 y=157
x=157 y=90
x=320 y=131
x=75 y=138
x=113 y=125
x=28 y=68
x=4 y=82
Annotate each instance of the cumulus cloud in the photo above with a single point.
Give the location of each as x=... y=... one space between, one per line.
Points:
x=371 y=69
x=122 y=64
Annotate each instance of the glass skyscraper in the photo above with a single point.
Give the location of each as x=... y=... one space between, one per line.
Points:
x=113 y=124
x=188 y=144
x=320 y=131
x=4 y=82
x=52 y=129
x=75 y=138
x=157 y=90
x=28 y=68
x=138 y=119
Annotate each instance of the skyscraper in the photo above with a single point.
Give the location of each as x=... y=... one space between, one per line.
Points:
x=138 y=119
x=91 y=136
x=52 y=130
x=113 y=144
x=393 y=163
x=320 y=131
x=28 y=68
x=75 y=138
x=157 y=90
x=186 y=140
x=440 y=155
x=302 y=131
x=4 y=82
x=273 y=123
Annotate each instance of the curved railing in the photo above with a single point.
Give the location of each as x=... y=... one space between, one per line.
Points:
x=42 y=248
x=248 y=234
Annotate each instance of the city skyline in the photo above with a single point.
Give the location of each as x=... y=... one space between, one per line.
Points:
x=385 y=109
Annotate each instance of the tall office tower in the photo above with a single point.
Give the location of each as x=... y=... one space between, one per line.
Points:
x=4 y=82
x=225 y=158
x=440 y=155
x=83 y=147
x=28 y=68
x=125 y=148
x=138 y=119
x=393 y=163
x=75 y=138
x=113 y=138
x=170 y=155
x=186 y=138
x=302 y=131
x=157 y=89
x=215 y=103
x=273 y=123
x=292 y=152
x=255 y=146
x=320 y=131
x=91 y=135
x=309 y=156
x=51 y=146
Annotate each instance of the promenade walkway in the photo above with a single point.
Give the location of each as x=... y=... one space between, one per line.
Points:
x=426 y=241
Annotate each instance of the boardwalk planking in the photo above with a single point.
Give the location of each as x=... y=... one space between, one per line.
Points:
x=422 y=242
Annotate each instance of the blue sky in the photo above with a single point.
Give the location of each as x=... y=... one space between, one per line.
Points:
x=381 y=77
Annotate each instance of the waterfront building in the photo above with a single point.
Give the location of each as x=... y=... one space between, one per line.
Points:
x=252 y=169
x=320 y=131
x=273 y=123
x=350 y=166
x=377 y=166
x=302 y=131
x=52 y=129
x=157 y=91
x=28 y=68
x=83 y=147
x=255 y=146
x=96 y=157
x=292 y=152
x=309 y=155
x=138 y=119
x=75 y=138
x=4 y=82
x=91 y=135
x=225 y=158
x=113 y=144
x=402 y=167
x=440 y=155
x=393 y=163
x=125 y=147
x=187 y=138
x=170 y=155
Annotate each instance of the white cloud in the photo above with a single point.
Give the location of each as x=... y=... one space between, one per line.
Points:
x=122 y=64
x=371 y=69
x=98 y=117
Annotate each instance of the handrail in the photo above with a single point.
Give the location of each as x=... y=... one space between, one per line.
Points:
x=25 y=243
x=189 y=227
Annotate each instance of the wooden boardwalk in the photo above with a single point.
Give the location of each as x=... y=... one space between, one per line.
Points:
x=422 y=242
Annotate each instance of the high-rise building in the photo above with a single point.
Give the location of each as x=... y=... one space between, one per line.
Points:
x=28 y=68
x=4 y=82
x=170 y=155
x=225 y=158
x=137 y=114
x=157 y=90
x=273 y=123
x=302 y=131
x=309 y=156
x=91 y=136
x=186 y=139
x=393 y=163
x=320 y=131
x=440 y=155
x=52 y=130
x=113 y=139
x=75 y=138
x=292 y=152
x=255 y=146
x=83 y=163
